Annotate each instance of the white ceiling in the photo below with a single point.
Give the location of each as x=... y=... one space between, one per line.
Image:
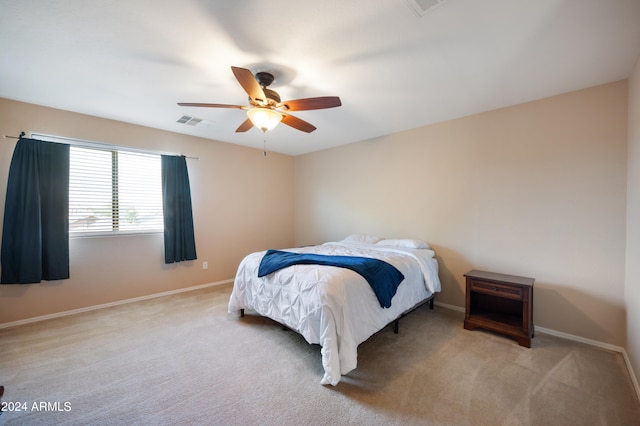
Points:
x=133 y=60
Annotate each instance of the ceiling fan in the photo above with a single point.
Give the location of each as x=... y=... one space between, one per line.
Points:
x=265 y=108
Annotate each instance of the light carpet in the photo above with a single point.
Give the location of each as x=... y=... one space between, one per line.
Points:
x=182 y=360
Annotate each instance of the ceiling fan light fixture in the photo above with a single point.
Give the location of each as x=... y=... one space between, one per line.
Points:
x=264 y=118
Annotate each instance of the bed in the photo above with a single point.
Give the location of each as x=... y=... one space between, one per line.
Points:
x=334 y=306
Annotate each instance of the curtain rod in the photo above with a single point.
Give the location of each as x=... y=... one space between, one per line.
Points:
x=15 y=137
x=81 y=142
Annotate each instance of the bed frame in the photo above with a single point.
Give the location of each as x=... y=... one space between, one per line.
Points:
x=396 y=322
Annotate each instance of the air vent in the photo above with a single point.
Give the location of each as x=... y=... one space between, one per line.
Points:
x=421 y=7
x=192 y=121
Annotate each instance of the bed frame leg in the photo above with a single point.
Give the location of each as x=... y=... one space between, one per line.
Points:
x=396 y=323
x=241 y=312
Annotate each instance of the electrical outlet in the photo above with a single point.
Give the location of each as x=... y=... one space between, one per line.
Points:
x=205 y=265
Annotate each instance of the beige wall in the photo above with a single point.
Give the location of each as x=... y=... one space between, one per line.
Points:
x=242 y=202
x=536 y=190
x=632 y=287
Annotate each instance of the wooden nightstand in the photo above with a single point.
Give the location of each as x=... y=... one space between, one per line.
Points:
x=500 y=303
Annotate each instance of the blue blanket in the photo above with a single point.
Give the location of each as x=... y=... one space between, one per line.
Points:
x=383 y=278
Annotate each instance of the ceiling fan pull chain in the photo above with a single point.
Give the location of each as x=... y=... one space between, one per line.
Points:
x=264 y=144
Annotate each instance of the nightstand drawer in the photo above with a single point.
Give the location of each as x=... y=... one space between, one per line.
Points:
x=511 y=292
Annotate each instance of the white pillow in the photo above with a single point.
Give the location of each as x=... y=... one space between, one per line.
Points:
x=406 y=243
x=362 y=238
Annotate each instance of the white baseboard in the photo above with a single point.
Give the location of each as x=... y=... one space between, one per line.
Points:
x=575 y=338
x=634 y=379
x=579 y=339
x=451 y=307
x=107 y=305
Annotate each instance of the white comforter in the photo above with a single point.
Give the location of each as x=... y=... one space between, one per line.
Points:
x=332 y=306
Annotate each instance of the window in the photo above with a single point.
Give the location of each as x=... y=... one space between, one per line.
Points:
x=114 y=191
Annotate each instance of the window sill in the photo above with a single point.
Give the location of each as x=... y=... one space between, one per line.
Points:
x=79 y=235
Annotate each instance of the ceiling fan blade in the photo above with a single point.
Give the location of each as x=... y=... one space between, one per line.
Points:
x=311 y=103
x=297 y=123
x=246 y=125
x=192 y=104
x=250 y=85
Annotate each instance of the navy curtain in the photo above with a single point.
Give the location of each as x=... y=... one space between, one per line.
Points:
x=179 y=240
x=35 y=232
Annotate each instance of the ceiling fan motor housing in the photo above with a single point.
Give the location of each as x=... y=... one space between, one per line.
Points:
x=272 y=96
x=265 y=79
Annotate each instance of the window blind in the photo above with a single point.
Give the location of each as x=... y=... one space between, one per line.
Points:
x=114 y=191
